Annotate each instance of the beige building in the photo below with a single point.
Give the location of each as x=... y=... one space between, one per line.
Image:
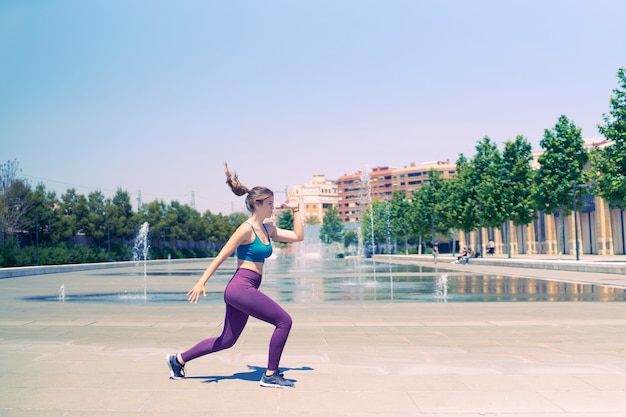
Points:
x=316 y=197
x=601 y=230
x=413 y=176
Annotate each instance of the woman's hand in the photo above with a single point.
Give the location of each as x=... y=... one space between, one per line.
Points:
x=194 y=294
x=292 y=201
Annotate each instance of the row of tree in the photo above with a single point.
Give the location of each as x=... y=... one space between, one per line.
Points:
x=489 y=190
x=496 y=187
x=38 y=228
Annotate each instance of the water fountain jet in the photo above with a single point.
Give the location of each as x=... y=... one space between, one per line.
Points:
x=140 y=254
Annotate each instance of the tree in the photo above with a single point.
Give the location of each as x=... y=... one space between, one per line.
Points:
x=609 y=163
x=463 y=202
x=220 y=227
x=400 y=208
x=16 y=200
x=375 y=226
x=561 y=166
x=518 y=176
x=286 y=220
x=332 y=227
x=95 y=223
x=73 y=210
x=428 y=208
x=488 y=176
x=350 y=238
x=120 y=215
x=43 y=215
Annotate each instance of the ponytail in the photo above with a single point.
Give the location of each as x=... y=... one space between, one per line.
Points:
x=255 y=194
x=233 y=182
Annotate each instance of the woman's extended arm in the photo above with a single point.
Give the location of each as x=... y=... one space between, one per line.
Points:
x=297 y=234
x=235 y=240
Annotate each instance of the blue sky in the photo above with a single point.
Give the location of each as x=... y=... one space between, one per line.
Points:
x=155 y=95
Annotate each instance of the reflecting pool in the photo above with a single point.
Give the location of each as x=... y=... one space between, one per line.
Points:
x=296 y=280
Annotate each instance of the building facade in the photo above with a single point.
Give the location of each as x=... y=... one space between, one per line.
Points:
x=412 y=177
x=595 y=229
x=316 y=197
x=358 y=190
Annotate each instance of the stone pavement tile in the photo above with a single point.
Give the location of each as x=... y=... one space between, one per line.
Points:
x=209 y=400
x=605 y=381
x=587 y=414
x=32 y=413
x=452 y=402
x=38 y=379
x=352 y=401
x=141 y=413
x=503 y=383
x=380 y=383
x=588 y=401
x=74 y=398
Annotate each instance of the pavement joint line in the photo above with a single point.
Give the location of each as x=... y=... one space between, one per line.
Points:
x=449 y=323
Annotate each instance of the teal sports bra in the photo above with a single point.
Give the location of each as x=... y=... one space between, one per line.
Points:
x=257 y=251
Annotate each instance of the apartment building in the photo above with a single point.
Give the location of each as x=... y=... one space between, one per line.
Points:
x=316 y=197
x=358 y=189
x=412 y=177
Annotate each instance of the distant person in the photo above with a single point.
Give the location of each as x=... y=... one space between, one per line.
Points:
x=252 y=242
x=463 y=256
x=491 y=247
x=435 y=251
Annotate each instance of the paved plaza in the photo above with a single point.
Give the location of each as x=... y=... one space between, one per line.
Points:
x=506 y=359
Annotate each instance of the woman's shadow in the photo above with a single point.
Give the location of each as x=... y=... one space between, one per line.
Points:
x=254 y=374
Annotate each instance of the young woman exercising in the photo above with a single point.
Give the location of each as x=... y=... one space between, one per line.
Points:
x=252 y=242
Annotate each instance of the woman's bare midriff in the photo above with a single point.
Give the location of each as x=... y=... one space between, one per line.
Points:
x=252 y=266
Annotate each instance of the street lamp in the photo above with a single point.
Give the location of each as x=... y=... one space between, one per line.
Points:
x=480 y=229
x=432 y=229
x=109 y=241
x=37 y=236
x=576 y=221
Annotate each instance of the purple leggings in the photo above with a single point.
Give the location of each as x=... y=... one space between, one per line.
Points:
x=243 y=299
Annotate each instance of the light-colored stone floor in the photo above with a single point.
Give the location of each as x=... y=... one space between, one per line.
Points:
x=349 y=359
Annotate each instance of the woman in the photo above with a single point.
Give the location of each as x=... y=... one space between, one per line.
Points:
x=252 y=241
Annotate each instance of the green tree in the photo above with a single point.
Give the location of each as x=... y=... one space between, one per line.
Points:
x=400 y=208
x=332 y=227
x=221 y=227
x=95 y=223
x=73 y=210
x=561 y=166
x=518 y=176
x=463 y=201
x=120 y=215
x=16 y=200
x=350 y=238
x=374 y=225
x=428 y=208
x=43 y=215
x=488 y=184
x=286 y=220
x=609 y=163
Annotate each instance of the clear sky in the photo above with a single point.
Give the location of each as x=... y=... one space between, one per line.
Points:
x=154 y=95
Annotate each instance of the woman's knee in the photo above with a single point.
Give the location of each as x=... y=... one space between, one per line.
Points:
x=226 y=342
x=285 y=321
